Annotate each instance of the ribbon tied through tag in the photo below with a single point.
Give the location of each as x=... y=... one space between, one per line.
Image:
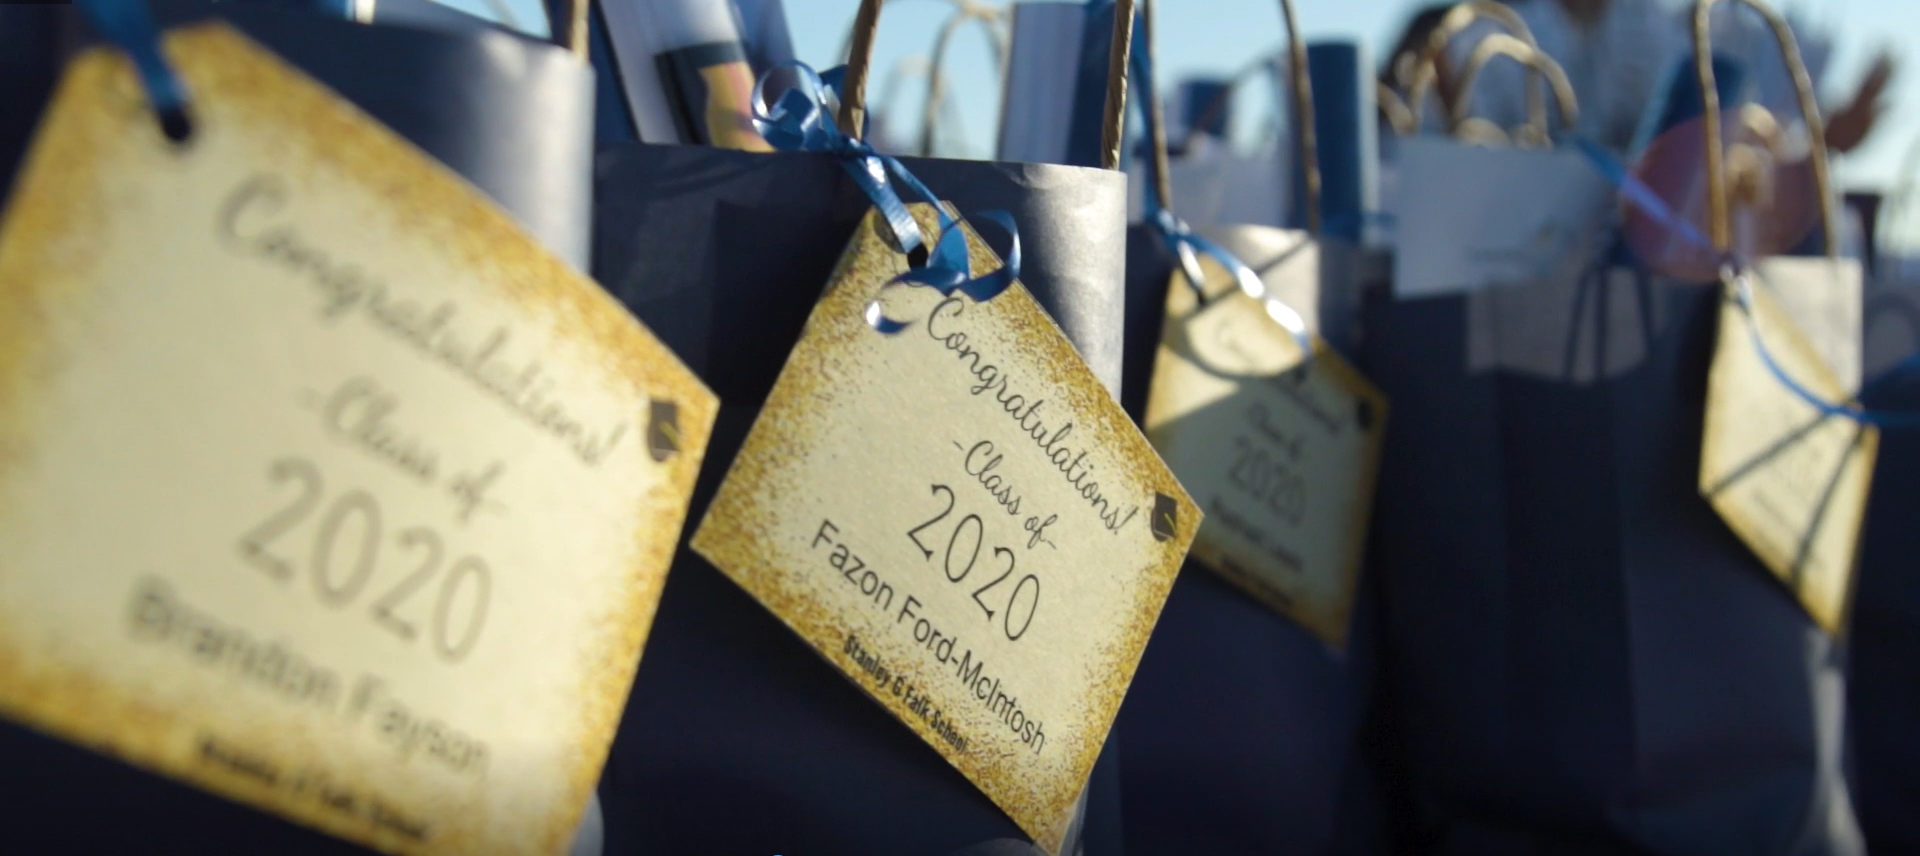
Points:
x=1189 y=247
x=130 y=26
x=801 y=121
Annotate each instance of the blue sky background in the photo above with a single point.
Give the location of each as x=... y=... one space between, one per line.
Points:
x=1218 y=37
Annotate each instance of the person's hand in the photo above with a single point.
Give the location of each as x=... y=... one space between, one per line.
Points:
x=1850 y=126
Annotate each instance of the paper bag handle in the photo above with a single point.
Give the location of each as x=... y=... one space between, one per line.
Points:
x=1301 y=93
x=1399 y=118
x=569 y=27
x=1503 y=45
x=853 y=101
x=965 y=10
x=1456 y=21
x=1719 y=218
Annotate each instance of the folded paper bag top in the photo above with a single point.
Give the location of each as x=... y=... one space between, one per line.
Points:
x=512 y=115
x=509 y=113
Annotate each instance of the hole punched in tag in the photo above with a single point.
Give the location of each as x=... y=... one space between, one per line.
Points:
x=175 y=124
x=946 y=263
x=129 y=25
x=917 y=257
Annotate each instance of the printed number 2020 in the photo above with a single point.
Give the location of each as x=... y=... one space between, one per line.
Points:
x=1276 y=485
x=341 y=567
x=964 y=543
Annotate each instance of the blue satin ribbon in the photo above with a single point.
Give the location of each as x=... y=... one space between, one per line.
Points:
x=1638 y=193
x=1743 y=294
x=802 y=121
x=129 y=26
x=1188 y=247
x=1736 y=272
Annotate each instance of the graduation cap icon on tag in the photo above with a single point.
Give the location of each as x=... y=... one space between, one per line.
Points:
x=1166 y=517
x=663 y=430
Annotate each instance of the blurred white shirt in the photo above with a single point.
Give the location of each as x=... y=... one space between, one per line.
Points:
x=1620 y=65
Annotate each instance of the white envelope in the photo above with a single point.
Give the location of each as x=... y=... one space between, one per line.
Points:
x=1215 y=186
x=1471 y=217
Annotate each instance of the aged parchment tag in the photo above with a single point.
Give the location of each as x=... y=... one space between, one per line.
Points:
x=961 y=519
x=1283 y=457
x=322 y=486
x=1791 y=481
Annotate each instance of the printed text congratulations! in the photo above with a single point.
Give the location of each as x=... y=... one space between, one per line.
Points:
x=248 y=224
x=1026 y=412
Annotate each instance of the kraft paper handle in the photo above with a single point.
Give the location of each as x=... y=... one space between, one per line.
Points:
x=1113 y=130
x=1503 y=45
x=968 y=10
x=853 y=104
x=1456 y=21
x=1475 y=131
x=1399 y=118
x=1301 y=93
x=566 y=20
x=1719 y=218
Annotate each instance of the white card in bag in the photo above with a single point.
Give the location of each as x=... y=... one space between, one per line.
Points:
x=1471 y=217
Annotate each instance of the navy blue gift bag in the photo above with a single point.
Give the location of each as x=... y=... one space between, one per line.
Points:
x=1883 y=683
x=1240 y=733
x=738 y=738
x=1581 y=656
x=30 y=54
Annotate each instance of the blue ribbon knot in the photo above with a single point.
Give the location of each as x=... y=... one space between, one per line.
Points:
x=130 y=26
x=802 y=121
x=1736 y=272
x=1189 y=247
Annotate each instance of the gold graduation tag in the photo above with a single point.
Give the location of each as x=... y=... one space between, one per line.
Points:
x=961 y=519
x=1282 y=456
x=322 y=486
x=1791 y=481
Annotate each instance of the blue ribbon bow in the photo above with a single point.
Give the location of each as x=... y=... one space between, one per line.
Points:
x=1734 y=271
x=1188 y=247
x=801 y=121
